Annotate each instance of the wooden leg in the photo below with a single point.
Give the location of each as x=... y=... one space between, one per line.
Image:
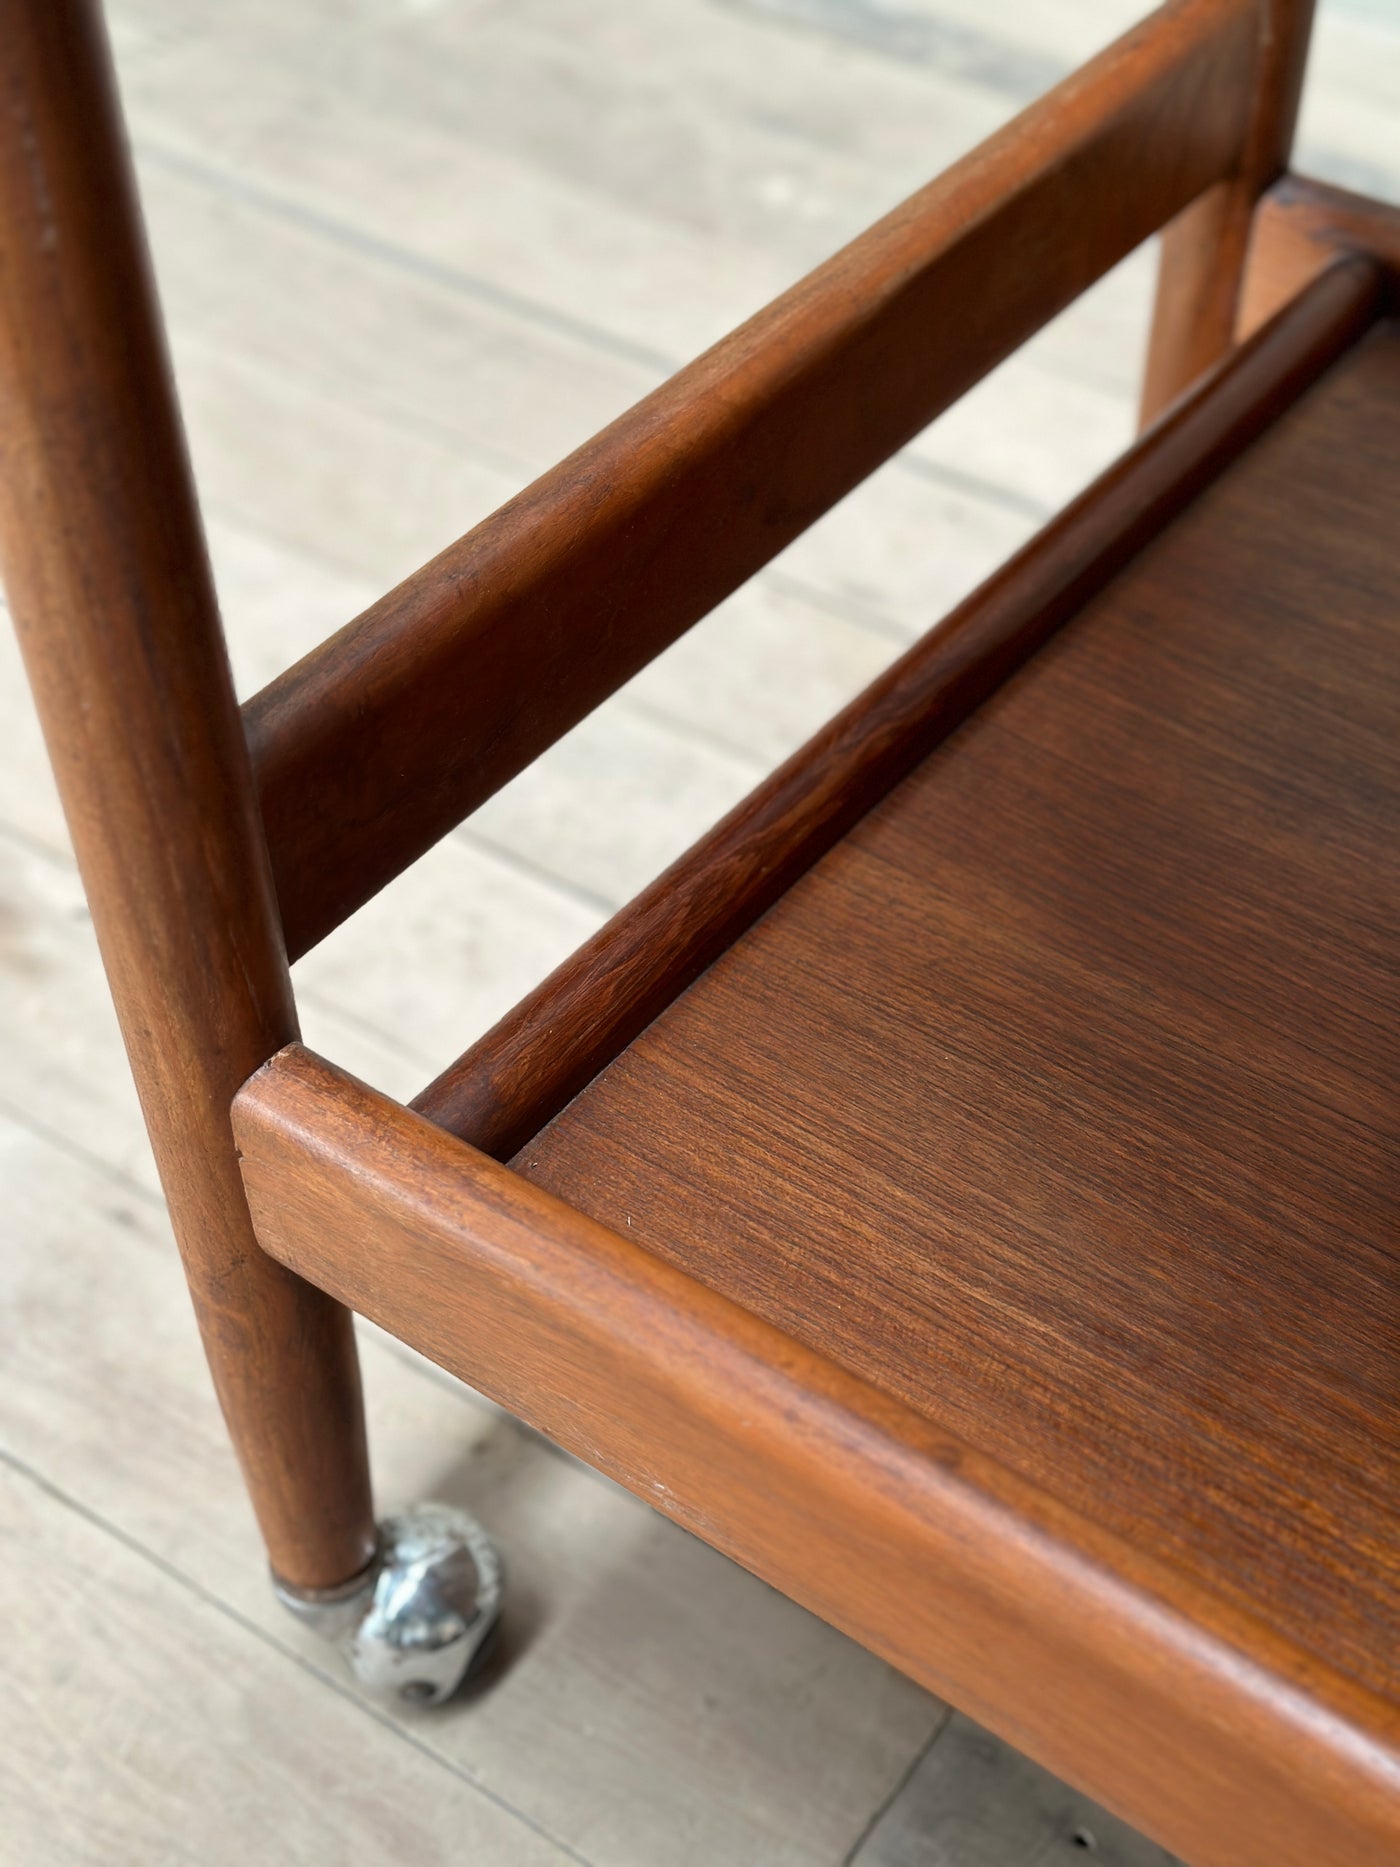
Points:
x=1204 y=250
x=1198 y=280
x=105 y=563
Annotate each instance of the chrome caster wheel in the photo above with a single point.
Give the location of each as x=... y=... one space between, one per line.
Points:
x=414 y=1623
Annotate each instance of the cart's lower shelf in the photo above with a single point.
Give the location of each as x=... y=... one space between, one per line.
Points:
x=1063 y=1099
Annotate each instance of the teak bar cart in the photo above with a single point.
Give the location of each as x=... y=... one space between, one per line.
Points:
x=962 y=1187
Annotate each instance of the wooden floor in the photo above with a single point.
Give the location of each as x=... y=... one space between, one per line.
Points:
x=412 y=251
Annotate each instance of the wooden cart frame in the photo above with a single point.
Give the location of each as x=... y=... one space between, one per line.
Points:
x=215 y=842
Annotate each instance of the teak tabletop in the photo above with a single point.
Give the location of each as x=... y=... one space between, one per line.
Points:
x=1062 y=1099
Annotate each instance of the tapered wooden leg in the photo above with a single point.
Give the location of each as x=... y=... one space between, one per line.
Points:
x=109 y=581
x=1203 y=255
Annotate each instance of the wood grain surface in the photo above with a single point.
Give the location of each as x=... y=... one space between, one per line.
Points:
x=1062 y=1100
x=1205 y=249
x=377 y=743
x=1231 y=1745
x=113 y=603
x=517 y=1077
x=546 y=210
x=1299 y=229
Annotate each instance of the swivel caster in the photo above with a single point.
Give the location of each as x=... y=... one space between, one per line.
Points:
x=414 y=1623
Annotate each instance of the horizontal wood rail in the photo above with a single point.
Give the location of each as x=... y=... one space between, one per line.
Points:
x=508 y=1085
x=377 y=743
x=1300 y=226
x=1090 y=1656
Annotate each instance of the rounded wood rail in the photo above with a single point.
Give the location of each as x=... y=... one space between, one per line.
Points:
x=507 y=1086
x=379 y=741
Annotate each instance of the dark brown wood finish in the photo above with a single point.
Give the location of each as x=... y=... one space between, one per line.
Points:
x=1205 y=1728
x=1299 y=229
x=1204 y=249
x=994 y=1244
x=1062 y=1100
x=381 y=740
x=504 y=1089
x=108 y=579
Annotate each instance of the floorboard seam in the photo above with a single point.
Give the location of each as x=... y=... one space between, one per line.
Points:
x=576 y=892
x=24 y=1470
x=906 y=1776
x=402 y=259
x=65 y=1144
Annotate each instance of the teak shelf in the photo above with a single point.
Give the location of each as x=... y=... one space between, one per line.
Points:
x=963 y=1187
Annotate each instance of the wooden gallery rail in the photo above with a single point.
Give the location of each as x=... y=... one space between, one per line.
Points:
x=997 y=1098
